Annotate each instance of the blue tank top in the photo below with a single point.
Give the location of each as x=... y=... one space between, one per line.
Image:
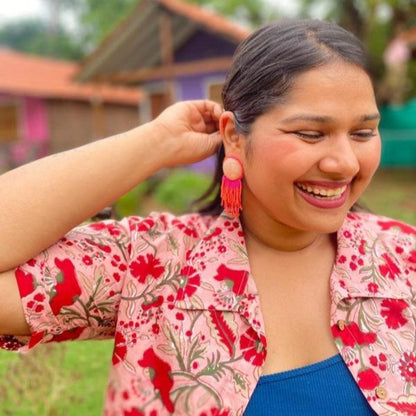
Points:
x=325 y=388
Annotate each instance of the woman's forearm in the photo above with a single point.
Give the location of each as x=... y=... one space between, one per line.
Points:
x=42 y=201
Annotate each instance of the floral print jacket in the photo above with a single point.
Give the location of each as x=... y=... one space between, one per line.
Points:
x=177 y=296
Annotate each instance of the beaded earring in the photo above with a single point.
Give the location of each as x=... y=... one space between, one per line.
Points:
x=231 y=185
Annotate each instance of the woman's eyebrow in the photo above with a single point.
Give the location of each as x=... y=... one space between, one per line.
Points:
x=370 y=117
x=326 y=119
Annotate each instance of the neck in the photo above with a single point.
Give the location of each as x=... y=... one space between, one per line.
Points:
x=263 y=231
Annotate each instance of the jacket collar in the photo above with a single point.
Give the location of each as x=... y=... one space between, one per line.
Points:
x=226 y=283
x=366 y=265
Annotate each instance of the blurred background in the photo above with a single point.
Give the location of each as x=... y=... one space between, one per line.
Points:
x=74 y=71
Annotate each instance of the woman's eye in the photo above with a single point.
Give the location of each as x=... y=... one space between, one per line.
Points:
x=364 y=134
x=309 y=135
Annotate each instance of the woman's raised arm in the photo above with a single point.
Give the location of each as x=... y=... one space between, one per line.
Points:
x=43 y=200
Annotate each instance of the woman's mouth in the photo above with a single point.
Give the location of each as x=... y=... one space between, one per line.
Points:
x=324 y=196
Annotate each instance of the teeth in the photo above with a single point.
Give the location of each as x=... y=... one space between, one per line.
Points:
x=323 y=192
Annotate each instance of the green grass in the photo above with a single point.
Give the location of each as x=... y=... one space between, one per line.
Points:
x=393 y=193
x=76 y=370
x=84 y=370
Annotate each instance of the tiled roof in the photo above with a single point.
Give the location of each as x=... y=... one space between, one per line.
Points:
x=135 y=42
x=23 y=74
x=206 y=18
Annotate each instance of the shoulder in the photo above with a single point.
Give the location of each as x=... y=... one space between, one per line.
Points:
x=390 y=241
x=194 y=225
x=380 y=226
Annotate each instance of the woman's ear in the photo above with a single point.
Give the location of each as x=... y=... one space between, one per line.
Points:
x=233 y=141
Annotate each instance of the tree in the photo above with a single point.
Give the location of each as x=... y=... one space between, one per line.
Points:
x=251 y=12
x=34 y=36
x=97 y=18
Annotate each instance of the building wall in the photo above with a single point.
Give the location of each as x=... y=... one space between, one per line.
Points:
x=204 y=45
x=70 y=124
x=74 y=123
x=31 y=141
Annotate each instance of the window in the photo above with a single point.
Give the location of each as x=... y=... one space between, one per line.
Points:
x=9 y=126
x=214 y=92
x=158 y=102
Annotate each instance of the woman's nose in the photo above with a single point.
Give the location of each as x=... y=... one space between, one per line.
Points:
x=340 y=158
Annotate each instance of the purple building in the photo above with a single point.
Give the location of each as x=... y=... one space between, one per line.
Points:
x=171 y=49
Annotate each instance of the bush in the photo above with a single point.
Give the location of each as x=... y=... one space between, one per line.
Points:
x=180 y=189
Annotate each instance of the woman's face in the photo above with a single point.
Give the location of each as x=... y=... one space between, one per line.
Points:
x=312 y=157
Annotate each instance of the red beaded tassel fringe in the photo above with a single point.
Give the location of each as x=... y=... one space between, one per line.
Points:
x=231 y=196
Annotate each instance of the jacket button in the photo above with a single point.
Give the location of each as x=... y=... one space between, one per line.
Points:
x=381 y=392
x=341 y=324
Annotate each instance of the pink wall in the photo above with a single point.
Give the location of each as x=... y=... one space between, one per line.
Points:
x=33 y=129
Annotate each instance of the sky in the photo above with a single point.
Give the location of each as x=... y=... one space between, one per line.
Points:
x=17 y=9
x=21 y=8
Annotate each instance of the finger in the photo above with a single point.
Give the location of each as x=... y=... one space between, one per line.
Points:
x=211 y=127
x=209 y=107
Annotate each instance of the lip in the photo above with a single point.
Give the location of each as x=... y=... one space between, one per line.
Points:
x=323 y=203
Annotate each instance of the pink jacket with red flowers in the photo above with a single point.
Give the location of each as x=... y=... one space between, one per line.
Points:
x=177 y=296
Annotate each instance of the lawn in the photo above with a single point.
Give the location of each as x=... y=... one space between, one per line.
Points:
x=69 y=379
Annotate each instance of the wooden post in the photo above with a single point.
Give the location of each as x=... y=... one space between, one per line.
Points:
x=166 y=50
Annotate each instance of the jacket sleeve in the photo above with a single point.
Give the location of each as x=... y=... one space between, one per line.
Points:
x=72 y=289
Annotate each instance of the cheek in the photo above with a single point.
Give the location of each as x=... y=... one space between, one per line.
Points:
x=370 y=158
x=278 y=156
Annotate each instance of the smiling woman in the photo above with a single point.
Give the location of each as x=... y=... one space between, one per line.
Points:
x=277 y=298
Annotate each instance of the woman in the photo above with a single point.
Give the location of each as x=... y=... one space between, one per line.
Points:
x=191 y=301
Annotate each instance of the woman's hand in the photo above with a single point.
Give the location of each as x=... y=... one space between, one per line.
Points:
x=189 y=131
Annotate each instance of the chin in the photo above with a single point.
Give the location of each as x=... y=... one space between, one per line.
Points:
x=326 y=224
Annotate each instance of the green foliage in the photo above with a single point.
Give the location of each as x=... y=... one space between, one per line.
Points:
x=36 y=37
x=97 y=18
x=252 y=12
x=180 y=189
x=131 y=203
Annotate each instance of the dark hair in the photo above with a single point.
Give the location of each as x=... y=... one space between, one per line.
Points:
x=265 y=66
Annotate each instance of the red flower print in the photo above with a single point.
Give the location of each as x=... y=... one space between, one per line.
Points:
x=404 y=406
x=146 y=266
x=216 y=412
x=189 y=283
x=253 y=348
x=25 y=281
x=36 y=303
x=160 y=375
x=67 y=288
x=392 y=312
x=111 y=228
x=87 y=260
x=361 y=248
x=390 y=269
x=103 y=247
x=412 y=257
x=132 y=412
x=407 y=367
x=235 y=279
x=188 y=230
x=214 y=233
x=68 y=335
x=407 y=229
x=10 y=343
x=372 y=287
x=352 y=335
x=368 y=379
x=144 y=225
x=342 y=259
x=120 y=348
x=154 y=303
x=347 y=234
